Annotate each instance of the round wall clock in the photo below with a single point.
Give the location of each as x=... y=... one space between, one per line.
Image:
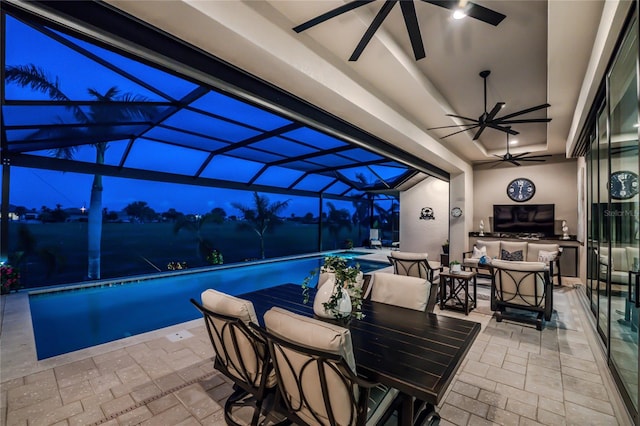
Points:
x=521 y=189
x=456 y=212
x=623 y=185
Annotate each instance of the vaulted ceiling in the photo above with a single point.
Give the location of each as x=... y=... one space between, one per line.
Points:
x=538 y=54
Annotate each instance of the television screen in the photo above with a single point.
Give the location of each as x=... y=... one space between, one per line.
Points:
x=524 y=218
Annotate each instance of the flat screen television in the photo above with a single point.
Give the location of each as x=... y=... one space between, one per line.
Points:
x=524 y=218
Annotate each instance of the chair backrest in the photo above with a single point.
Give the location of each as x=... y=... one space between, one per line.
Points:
x=241 y=354
x=315 y=368
x=411 y=264
x=520 y=283
x=401 y=290
x=374 y=234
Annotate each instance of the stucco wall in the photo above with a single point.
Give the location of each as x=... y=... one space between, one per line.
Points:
x=556 y=183
x=420 y=235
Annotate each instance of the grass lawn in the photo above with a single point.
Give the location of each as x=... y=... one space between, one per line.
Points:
x=139 y=248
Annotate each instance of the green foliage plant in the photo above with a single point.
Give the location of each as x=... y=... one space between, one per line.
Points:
x=345 y=280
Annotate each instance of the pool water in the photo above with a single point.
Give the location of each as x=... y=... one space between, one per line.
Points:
x=65 y=321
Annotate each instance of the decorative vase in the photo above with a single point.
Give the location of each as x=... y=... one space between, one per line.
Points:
x=326 y=290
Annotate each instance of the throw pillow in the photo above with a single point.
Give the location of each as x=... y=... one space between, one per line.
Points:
x=516 y=255
x=484 y=260
x=479 y=252
x=547 y=256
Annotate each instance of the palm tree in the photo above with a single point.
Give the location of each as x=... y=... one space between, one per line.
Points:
x=203 y=245
x=336 y=220
x=261 y=217
x=103 y=111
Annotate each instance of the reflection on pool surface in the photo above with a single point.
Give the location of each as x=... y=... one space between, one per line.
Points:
x=65 y=321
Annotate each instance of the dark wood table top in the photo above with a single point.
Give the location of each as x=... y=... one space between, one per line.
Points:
x=415 y=352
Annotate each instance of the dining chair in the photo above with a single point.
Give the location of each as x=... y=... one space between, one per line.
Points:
x=522 y=286
x=418 y=265
x=241 y=354
x=316 y=372
x=402 y=290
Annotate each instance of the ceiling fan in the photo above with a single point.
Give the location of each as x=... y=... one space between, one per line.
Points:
x=410 y=19
x=489 y=119
x=516 y=159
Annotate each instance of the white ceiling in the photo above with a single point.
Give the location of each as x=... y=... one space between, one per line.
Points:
x=538 y=54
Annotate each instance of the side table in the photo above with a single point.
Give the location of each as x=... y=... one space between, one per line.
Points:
x=454 y=291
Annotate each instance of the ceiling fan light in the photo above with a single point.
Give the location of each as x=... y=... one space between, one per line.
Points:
x=459 y=13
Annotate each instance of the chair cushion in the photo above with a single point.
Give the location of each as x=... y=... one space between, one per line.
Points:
x=493 y=247
x=514 y=246
x=512 y=256
x=228 y=305
x=479 y=252
x=311 y=333
x=547 y=256
x=407 y=255
x=400 y=290
x=534 y=248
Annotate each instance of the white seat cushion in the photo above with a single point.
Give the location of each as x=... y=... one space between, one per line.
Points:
x=400 y=290
x=228 y=305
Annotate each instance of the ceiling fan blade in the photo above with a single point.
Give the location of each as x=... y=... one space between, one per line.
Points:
x=535 y=157
x=330 y=14
x=496 y=109
x=473 y=10
x=532 y=160
x=503 y=129
x=522 y=154
x=460 y=131
x=524 y=111
x=368 y=35
x=462 y=117
x=483 y=14
x=514 y=162
x=448 y=127
x=524 y=120
x=413 y=28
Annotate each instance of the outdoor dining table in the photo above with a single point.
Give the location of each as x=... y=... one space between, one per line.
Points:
x=416 y=352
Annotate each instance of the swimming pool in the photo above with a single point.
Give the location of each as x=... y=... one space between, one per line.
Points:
x=68 y=320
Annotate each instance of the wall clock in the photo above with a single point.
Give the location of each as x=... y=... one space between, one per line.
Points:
x=623 y=185
x=456 y=212
x=521 y=189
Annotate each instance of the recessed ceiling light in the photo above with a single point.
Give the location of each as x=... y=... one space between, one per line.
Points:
x=513 y=142
x=459 y=13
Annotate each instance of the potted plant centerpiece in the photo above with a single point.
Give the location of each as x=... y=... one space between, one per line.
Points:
x=455 y=267
x=339 y=287
x=445 y=247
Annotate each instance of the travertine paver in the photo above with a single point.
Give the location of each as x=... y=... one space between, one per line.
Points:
x=512 y=375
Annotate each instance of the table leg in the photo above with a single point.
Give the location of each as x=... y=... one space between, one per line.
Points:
x=405 y=415
x=466 y=296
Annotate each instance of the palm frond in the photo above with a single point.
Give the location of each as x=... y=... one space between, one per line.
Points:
x=37 y=79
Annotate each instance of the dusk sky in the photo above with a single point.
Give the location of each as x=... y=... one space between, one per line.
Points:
x=164 y=147
x=34 y=188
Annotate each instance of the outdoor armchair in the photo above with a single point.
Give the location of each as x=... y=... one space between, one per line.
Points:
x=241 y=354
x=521 y=286
x=316 y=373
